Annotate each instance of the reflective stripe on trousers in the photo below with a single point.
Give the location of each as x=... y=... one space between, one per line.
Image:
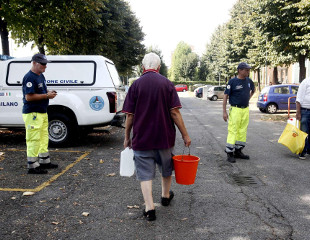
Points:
x=36 y=125
x=238 y=122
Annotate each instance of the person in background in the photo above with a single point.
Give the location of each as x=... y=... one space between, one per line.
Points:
x=303 y=112
x=239 y=90
x=152 y=111
x=36 y=98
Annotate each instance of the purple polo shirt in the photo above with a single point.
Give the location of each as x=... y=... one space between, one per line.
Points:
x=150 y=98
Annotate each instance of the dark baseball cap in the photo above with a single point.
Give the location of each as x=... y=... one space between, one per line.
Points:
x=40 y=58
x=244 y=65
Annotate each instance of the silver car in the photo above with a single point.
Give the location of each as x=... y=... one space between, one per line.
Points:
x=215 y=92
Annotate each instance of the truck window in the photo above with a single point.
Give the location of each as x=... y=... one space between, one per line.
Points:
x=114 y=75
x=58 y=73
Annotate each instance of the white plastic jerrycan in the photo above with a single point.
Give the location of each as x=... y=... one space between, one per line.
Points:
x=292 y=121
x=127 y=165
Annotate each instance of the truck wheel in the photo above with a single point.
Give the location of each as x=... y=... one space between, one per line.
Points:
x=60 y=129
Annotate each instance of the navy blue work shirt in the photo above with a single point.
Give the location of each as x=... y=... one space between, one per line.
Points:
x=34 y=83
x=239 y=90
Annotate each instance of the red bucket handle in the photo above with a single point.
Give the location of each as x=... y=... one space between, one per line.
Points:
x=189 y=152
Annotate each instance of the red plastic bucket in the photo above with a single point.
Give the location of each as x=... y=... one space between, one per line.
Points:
x=185 y=167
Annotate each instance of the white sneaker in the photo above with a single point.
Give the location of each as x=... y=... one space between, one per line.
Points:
x=302 y=156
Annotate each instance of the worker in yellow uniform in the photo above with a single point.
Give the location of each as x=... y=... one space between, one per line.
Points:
x=36 y=98
x=239 y=90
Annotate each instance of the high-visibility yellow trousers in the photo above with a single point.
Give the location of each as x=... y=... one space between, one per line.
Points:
x=36 y=125
x=238 y=122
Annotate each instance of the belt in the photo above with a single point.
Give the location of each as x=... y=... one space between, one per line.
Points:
x=305 y=109
x=238 y=106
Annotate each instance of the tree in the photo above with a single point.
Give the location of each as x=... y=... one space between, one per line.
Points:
x=216 y=55
x=98 y=27
x=187 y=66
x=47 y=22
x=8 y=10
x=181 y=50
x=203 y=70
x=284 y=22
x=4 y=37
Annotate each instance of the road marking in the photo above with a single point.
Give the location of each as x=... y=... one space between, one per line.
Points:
x=52 y=179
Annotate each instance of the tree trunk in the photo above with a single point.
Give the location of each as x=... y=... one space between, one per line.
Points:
x=4 y=37
x=40 y=42
x=302 y=67
x=258 y=79
x=275 y=76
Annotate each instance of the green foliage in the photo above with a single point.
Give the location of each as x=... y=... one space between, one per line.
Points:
x=285 y=23
x=88 y=27
x=187 y=66
x=184 y=63
x=265 y=32
x=163 y=67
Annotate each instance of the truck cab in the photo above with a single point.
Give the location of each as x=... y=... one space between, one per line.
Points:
x=89 y=94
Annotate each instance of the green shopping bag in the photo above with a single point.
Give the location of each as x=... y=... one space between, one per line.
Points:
x=293 y=138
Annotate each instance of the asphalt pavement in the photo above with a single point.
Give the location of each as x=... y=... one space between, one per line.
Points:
x=266 y=197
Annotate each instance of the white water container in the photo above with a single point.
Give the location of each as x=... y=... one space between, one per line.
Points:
x=127 y=165
x=292 y=121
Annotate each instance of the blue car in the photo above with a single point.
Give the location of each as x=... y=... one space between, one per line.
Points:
x=275 y=97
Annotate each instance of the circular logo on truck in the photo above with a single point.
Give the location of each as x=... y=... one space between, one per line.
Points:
x=96 y=103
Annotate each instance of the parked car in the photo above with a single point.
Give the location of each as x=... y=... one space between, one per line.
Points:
x=275 y=97
x=197 y=85
x=181 y=88
x=198 y=92
x=215 y=92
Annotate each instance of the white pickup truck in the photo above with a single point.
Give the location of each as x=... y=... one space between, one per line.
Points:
x=89 y=90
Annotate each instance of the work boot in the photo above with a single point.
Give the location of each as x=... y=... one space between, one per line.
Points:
x=48 y=165
x=239 y=154
x=37 y=170
x=230 y=157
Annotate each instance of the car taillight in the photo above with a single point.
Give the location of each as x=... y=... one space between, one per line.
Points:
x=265 y=97
x=112 y=101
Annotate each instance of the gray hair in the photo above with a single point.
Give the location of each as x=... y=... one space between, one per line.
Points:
x=151 y=61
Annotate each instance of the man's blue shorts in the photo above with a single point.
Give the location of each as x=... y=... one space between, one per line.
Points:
x=145 y=162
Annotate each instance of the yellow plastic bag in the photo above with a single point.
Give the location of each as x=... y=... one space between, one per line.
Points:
x=293 y=138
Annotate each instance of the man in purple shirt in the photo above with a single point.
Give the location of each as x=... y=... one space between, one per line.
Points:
x=152 y=110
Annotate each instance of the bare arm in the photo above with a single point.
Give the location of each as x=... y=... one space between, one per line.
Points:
x=225 y=116
x=298 y=114
x=128 y=127
x=178 y=120
x=251 y=94
x=37 y=97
